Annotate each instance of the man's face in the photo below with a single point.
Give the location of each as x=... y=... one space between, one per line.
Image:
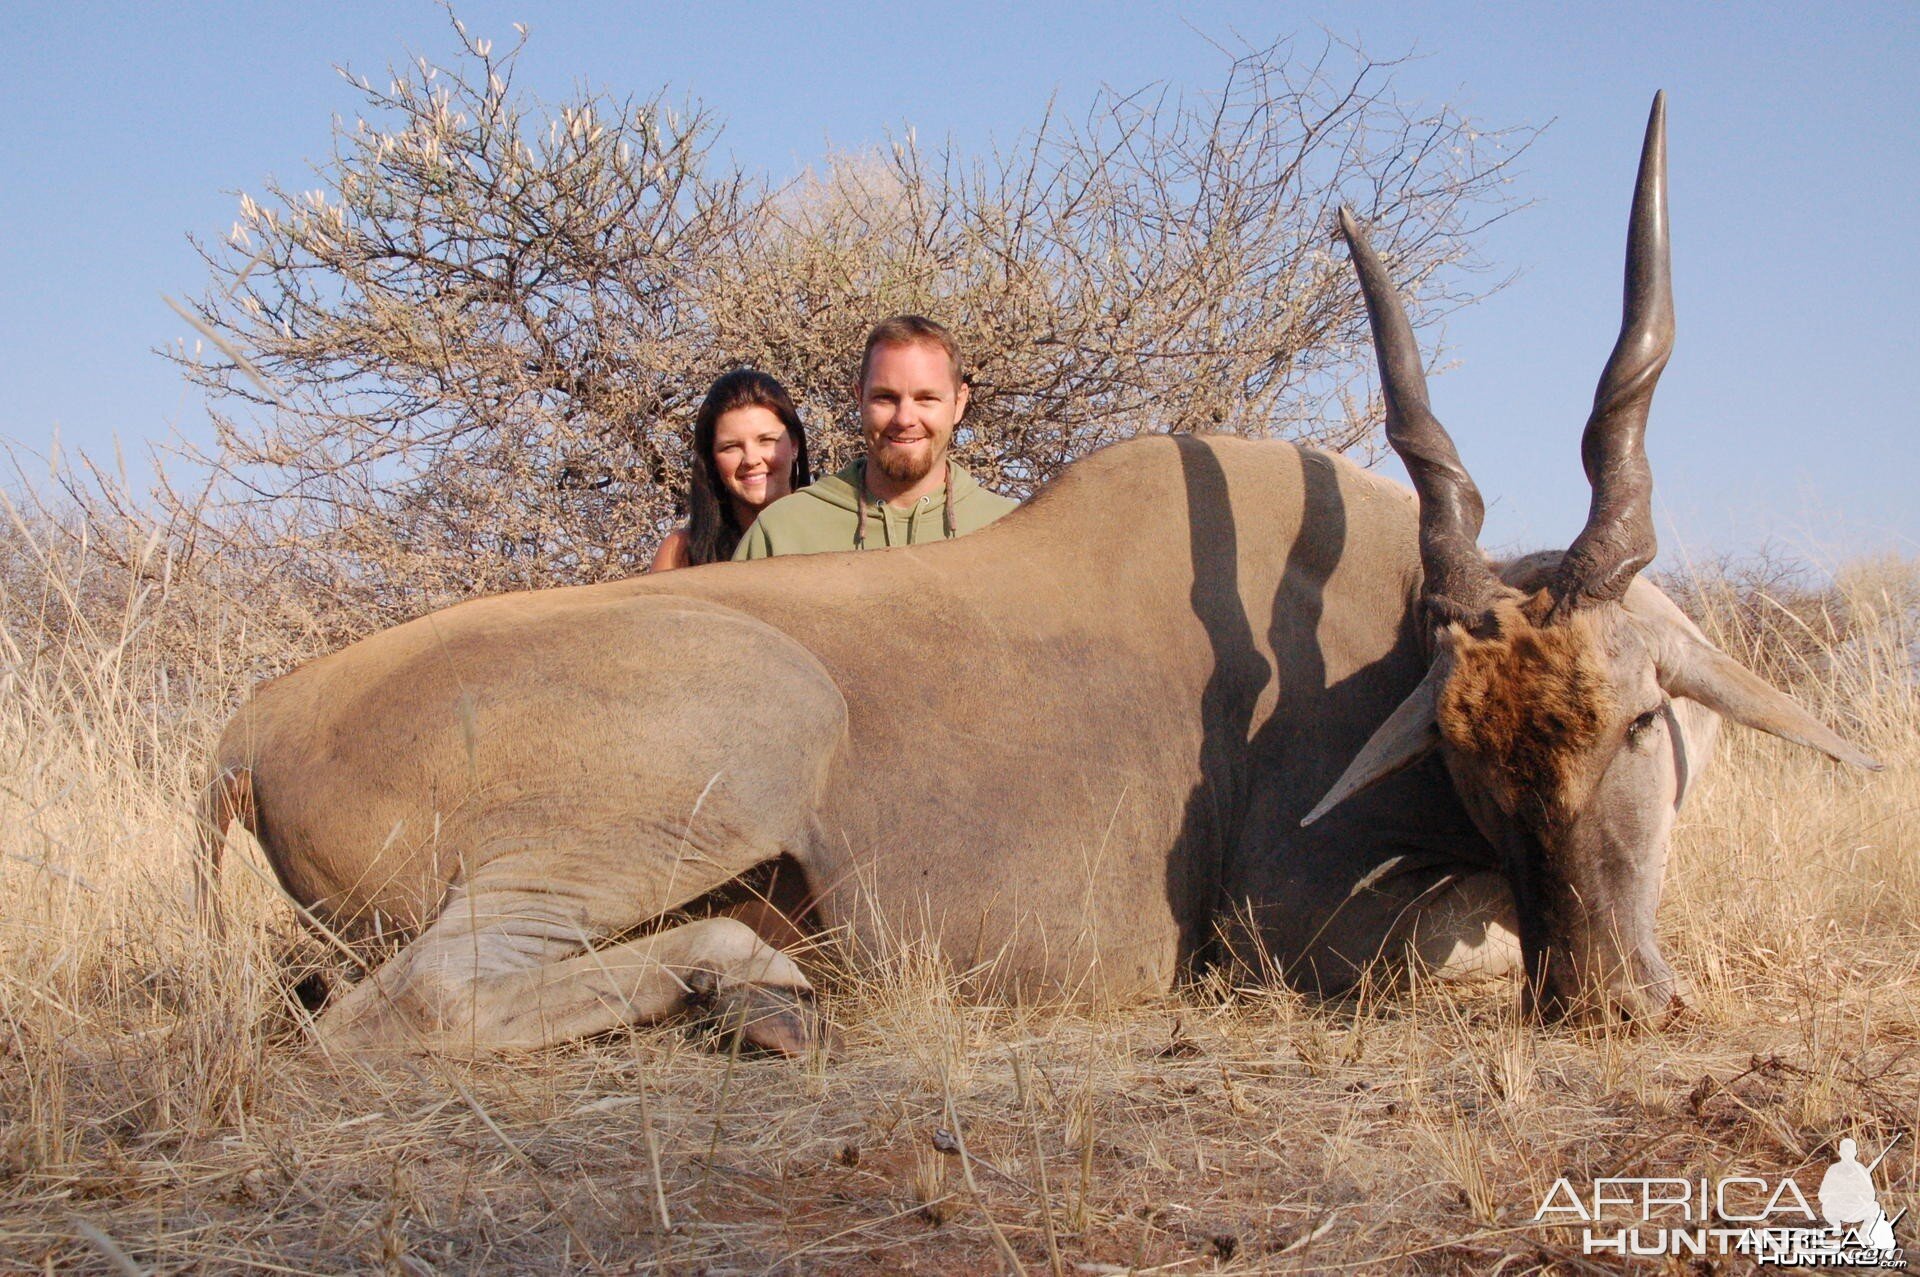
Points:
x=909 y=405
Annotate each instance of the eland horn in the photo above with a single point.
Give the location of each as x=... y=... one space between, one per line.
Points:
x=1459 y=584
x=1618 y=540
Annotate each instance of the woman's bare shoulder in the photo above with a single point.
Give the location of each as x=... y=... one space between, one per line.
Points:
x=672 y=552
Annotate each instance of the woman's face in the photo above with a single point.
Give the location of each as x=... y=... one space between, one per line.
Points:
x=754 y=455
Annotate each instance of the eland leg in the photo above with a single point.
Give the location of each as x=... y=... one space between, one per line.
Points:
x=536 y=946
x=1456 y=923
x=500 y=973
x=1461 y=928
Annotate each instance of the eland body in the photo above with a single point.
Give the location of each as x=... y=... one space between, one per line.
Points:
x=1200 y=697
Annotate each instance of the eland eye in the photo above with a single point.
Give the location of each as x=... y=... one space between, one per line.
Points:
x=1640 y=726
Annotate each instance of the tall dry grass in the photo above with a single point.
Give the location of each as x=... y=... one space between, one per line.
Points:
x=158 y=1113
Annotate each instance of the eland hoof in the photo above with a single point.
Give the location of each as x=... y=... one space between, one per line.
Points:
x=769 y=1019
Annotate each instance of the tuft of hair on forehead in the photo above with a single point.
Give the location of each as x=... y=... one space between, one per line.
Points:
x=913 y=330
x=1529 y=700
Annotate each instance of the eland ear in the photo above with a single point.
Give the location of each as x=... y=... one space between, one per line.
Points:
x=1703 y=673
x=1410 y=733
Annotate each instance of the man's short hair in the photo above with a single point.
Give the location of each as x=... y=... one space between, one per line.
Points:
x=912 y=330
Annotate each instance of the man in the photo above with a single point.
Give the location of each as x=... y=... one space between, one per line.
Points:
x=905 y=491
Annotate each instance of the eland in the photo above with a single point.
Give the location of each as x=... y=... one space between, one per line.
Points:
x=1201 y=699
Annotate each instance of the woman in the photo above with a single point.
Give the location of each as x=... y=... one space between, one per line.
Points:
x=749 y=450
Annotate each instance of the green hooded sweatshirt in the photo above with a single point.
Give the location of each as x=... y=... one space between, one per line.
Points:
x=825 y=516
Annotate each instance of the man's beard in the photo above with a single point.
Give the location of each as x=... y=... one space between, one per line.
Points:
x=904 y=465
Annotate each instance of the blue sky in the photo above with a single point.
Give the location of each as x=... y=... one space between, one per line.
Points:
x=1791 y=409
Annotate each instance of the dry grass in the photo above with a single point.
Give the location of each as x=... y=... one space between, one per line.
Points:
x=159 y=1114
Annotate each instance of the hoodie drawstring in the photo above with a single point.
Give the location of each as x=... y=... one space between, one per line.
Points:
x=947 y=531
x=860 y=510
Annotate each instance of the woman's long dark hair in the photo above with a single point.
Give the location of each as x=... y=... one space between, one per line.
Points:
x=712 y=531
